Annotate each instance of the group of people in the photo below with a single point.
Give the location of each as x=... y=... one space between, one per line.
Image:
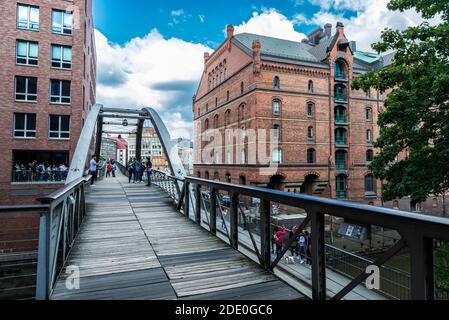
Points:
x=301 y=245
x=137 y=169
x=40 y=172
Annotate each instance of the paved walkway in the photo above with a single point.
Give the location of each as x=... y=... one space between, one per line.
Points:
x=134 y=245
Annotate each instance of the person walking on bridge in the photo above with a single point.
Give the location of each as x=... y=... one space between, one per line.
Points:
x=130 y=168
x=149 y=170
x=93 y=169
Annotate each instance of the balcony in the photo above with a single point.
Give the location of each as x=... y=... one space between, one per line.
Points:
x=341 y=98
x=340 y=76
x=26 y=176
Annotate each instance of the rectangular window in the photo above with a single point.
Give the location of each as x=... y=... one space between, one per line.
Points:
x=60 y=91
x=61 y=57
x=62 y=22
x=27 y=17
x=27 y=52
x=25 y=88
x=24 y=125
x=59 y=127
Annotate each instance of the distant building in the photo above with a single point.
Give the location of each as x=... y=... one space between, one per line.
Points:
x=151 y=147
x=122 y=150
x=109 y=148
x=47 y=88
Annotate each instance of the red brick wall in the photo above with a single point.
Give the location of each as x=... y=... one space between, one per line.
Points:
x=79 y=77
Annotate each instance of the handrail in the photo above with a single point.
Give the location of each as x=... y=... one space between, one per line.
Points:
x=417 y=232
x=21 y=208
x=62 y=191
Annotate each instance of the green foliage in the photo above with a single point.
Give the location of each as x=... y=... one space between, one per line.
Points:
x=442 y=267
x=416 y=116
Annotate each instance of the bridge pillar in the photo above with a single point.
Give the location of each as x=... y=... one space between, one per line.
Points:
x=139 y=139
x=98 y=137
x=318 y=257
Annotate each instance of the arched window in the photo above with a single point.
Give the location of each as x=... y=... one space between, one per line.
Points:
x=199 y=111
x=369 y=114
x=276 y=82
x=341 y=186
x=277 y=133
x=227 y=95
x=198 y=174
x=310 y=86
x=311 y=156
x=340 y=114
x=206 y=124
x=216 y=102
x=310 y=109
x=242 y=180
x=369 y=183
x=369 y=155
x=242 y=88
x=207 y=107
x=216 y=123
x=340 y=93
x=227 y=117
x=206 y=175
x=216 y=176
x=228 y=178
x=276 y=107
x=340 y=159
x=241 y=112
x=340 y=70
x=340 y=136
x=310 y=134
x=369 y=136
x=277 y=155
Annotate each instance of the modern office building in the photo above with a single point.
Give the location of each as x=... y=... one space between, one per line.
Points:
x=300 y=92
x=47 y=87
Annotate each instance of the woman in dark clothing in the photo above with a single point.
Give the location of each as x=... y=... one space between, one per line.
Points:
x=130 y=168
x=308 y=247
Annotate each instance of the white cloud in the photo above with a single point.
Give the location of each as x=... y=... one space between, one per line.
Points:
x=177 y=13
x=270 y=23
x=372 y=17
x=150 y=71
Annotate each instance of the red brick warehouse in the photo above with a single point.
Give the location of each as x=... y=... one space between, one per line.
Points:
x=48 y=75
x=301 y=90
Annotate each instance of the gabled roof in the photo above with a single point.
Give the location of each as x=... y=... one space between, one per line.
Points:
x=279 y=48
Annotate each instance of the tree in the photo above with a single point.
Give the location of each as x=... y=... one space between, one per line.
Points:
x=416 y=117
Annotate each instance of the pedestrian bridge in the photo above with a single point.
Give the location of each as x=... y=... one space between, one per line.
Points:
x=117 y=240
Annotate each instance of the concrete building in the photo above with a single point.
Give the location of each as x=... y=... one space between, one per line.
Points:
x=322 y=132
x=47 y=87
x=109 y=148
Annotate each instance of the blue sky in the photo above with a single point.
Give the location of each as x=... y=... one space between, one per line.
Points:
x=195 y=21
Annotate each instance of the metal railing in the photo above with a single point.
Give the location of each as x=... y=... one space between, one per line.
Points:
x=35 y=176
x=58 y=228
x=417 y=232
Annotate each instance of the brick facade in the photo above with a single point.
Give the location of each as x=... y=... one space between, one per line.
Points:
x=82 y=76
x=220 y=98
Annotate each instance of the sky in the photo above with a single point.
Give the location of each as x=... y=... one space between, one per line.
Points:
x=150 y=53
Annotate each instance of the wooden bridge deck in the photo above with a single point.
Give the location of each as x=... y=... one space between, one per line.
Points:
x=134 y=245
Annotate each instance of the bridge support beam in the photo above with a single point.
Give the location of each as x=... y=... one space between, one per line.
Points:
x=421 y=267
x=139 y=139
x=98 y=137
x=265 y=234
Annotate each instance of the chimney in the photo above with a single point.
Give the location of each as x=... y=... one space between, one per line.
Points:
x=230 y=31
x=328 y=30
x=256 y=56
x=206 y=57
x=340 y=27
x=353 y=46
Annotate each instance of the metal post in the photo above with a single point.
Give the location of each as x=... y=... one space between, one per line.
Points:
x=234 y=220
x=43 y=262
x=318 y=257
x=198 y=204
x=421 y=267
x=265 y=234
x=99 y=137
x=139 y=139
x=187 y=200
x=213 y=211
